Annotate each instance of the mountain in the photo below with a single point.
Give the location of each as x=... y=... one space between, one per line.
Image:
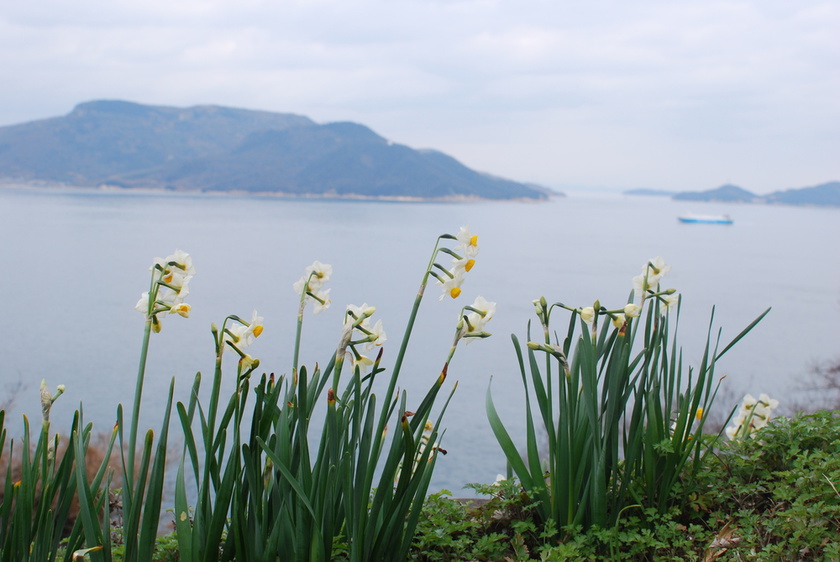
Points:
x=823 y=194
x=725 y=193
x=211 y=148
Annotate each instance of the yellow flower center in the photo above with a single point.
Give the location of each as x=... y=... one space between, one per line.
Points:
x=454 y=292
x=474 y=240
x=258 y=330
x=469 y=265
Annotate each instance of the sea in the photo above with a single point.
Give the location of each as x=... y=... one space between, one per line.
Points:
x=75 y=263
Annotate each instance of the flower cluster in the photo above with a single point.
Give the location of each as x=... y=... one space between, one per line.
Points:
x=752 y=416
x=357 y=324
x=463 y=260
x=310 y=286
x=647 y=283
x=240 y=335
x=169 y=288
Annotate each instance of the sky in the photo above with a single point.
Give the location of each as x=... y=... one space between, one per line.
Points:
x=676 y=95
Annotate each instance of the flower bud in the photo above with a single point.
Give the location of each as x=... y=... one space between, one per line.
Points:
x=632 y=310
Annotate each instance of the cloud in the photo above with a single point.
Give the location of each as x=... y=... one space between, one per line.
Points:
x=505 y=86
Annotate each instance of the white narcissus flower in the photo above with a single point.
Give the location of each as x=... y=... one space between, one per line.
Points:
x=467 y=242
x=452 y=285
x=652 y=272
x=316 y=275
x=619 y=320
x=378 y=336
x=143 y=304
x=322 y=301
x=358 y=315
x=182 y=309
x=362 y=361
x=758 y=412
x=587 y=314
x=243 y=335
x=477 y=320
x=671 y=301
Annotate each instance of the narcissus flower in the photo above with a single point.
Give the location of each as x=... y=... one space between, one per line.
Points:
x=671 y=301
x=587 y=314
x=452 y=284
x=182 y=309
x=315 y=275
x=752 y=416
x=467 y=242
x=359 y=334
x=481 y=312
x=170 y=286
x=242 y=334
x=310 y=286
x=652 y=272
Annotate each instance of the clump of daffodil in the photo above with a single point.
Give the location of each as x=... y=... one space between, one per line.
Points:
x=168 y=289
x=463 y=259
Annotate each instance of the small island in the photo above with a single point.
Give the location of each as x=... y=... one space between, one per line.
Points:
x=826 y=194
x=116 y=144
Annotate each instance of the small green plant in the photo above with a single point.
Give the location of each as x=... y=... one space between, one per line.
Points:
x=778 y=492
x=618 y=410
x=37 y=499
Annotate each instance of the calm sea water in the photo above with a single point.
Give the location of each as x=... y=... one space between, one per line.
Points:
x=76 y=262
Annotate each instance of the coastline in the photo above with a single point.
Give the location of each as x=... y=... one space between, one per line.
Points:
x=44 y=186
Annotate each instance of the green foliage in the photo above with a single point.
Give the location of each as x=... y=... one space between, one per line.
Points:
x=770 y=498
x=618 y=413
x=779 y=491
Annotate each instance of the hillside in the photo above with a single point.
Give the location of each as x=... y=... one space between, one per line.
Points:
x=726 y=193
x=823 y=194
x=210 y=148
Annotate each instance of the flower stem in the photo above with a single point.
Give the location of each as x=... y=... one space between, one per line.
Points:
x=135 y=412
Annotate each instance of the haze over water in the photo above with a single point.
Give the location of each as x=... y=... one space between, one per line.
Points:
x=76 y=263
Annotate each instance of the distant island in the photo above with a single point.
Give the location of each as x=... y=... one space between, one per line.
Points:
x=823 y=194
x=123 y=145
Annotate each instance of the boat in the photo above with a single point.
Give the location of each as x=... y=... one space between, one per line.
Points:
x=706 y=219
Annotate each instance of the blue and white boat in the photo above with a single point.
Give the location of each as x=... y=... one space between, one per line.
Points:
x=706 y=219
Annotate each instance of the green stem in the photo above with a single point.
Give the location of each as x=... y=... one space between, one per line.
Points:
x=299 y=328
x=135 y=412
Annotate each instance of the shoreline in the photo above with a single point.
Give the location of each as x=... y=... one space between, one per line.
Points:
x=43 y=186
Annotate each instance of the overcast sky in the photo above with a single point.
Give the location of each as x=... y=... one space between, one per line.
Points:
x=660 y=94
